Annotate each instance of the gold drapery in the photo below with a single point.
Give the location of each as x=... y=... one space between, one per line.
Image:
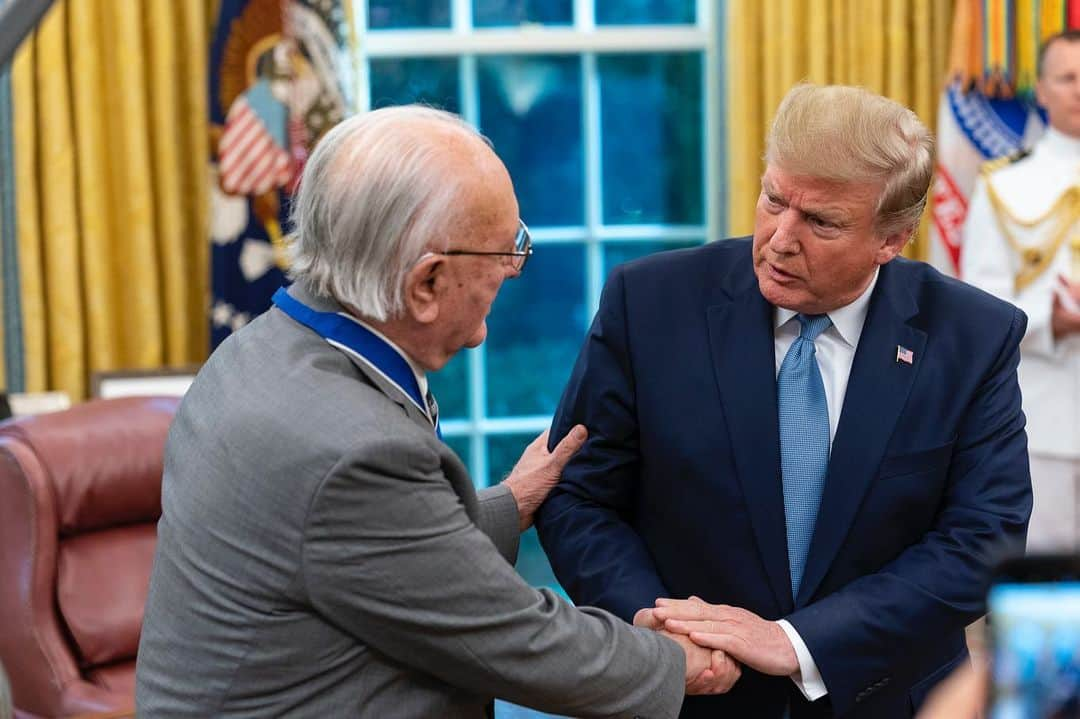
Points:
x=898 y=48
x=109 y=104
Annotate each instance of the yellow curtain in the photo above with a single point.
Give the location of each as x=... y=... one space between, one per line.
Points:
x=898 y=48
x=109 y=104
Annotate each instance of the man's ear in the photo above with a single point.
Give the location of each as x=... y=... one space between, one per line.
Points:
x=893 y=245
x=424 y=285
x=1040 y=92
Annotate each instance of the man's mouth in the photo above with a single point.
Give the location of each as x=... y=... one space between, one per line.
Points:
x=778 y=274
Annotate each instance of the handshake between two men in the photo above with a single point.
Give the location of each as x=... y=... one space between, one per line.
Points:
x=718 y=641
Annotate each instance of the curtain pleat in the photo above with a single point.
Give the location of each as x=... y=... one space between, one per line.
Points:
x=190 y=64
x=24 y=102
x=97 y=115
x=746 y=99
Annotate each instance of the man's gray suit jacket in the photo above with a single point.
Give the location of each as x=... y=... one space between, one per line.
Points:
x=321 y=553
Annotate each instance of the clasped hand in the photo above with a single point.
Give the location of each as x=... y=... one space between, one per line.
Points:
x=718 y=639
x=708 y=671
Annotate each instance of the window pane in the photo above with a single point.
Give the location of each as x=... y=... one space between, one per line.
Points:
x=616 y=253
x=530 y=108
x=534 y=331
x=644 y=12
x=462 y=448
x=652 y=123
x=504 y=450
x=387 y=14
x=487 y=13
x=402 y=81
x=533 y=565
x=450 y=385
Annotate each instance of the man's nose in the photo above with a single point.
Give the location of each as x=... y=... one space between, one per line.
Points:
x=784 y=239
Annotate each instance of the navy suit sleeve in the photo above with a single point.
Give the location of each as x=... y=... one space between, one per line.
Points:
x=586 y=524
x=856 y=634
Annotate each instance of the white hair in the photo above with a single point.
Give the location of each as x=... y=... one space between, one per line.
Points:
x=372 y=199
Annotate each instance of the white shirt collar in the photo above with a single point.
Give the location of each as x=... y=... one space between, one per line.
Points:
x=1059 y=146
x=418 y=372
x=847 y=320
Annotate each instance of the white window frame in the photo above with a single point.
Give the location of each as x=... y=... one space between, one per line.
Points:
x=585 y=39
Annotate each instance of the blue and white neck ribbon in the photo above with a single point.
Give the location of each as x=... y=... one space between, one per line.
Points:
x=348 y=335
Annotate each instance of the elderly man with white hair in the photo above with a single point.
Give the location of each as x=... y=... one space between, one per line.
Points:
x=321 y=552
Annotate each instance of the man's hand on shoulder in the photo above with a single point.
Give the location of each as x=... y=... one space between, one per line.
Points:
x=745 y=636
x=539 y=470
x=708 y=671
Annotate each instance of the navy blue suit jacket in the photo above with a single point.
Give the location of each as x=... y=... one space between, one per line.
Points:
x=678 y=489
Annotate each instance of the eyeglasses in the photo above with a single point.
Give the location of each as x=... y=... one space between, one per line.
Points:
x=522 y=249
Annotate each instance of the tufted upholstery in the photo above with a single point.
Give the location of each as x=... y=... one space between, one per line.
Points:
x=80 y=495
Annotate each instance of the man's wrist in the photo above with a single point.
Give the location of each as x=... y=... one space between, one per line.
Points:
x=519 y=494
x=792 y=637
x=807 y=677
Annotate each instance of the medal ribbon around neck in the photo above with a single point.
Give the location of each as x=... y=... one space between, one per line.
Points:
x=346 y=334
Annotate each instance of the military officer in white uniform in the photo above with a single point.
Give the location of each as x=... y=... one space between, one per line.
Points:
x=1022 y=243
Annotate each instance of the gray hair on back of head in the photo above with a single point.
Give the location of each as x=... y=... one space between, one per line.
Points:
x=848 y=134
x=372 y=199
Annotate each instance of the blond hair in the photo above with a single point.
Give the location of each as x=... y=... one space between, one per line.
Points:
x=849 y=134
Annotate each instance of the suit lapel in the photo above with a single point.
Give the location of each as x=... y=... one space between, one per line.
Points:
x=877 y=391
x=392 y=393
x=303 y=293
x=741 y=339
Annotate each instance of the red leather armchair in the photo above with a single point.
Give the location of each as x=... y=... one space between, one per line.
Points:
x=80 y=495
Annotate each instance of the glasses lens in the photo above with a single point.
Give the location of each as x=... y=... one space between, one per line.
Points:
x=522 y=241
x=522 y=244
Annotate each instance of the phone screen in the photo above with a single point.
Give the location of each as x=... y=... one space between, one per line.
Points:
x=1035 y=637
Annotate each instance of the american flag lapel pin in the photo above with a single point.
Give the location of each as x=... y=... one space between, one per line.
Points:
x=903 y=354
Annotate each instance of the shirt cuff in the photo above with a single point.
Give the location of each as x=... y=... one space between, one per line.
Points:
x=808 y=678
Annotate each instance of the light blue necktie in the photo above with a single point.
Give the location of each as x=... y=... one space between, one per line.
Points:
x=804 y=440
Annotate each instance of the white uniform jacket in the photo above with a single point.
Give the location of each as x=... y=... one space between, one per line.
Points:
x=1049 y=369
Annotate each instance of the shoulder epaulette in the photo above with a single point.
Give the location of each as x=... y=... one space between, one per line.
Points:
x=997 y=163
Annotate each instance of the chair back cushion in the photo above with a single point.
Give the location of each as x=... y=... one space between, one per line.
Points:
x=103 y=460
x=80 y=495
x=101 y=586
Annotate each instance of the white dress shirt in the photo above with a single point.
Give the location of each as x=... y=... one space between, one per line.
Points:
x=835 y=351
